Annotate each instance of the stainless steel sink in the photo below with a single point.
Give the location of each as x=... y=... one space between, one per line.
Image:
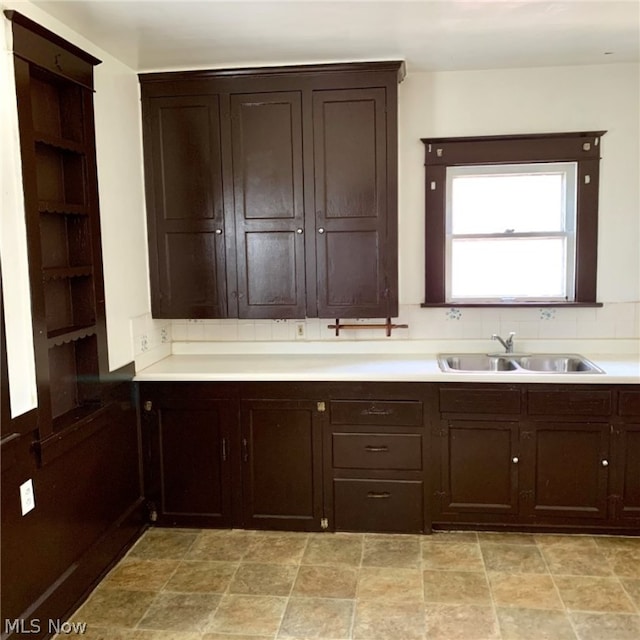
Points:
x=475 y=362
x=515 y=363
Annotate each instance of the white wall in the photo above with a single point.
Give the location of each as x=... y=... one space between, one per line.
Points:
x=494 y=102
x=120 y=183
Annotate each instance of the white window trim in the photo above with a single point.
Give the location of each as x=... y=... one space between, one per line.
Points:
x=569 y=211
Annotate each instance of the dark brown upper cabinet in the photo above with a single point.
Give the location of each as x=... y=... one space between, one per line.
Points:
x=272 y=192
x=184 y=189
x=54 y=86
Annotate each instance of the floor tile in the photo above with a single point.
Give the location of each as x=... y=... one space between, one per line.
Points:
x=277 y=549
x=180 y=611
x=203 y=577
x=257 y=615
x=380 y=621
x=606 y=626
x=593 y=594
x=96 y=633
x=526 y=591
x=264 y=579
x=164 y=544
x=391 y=551
x=559 y=540
x=326 y=582
x=115 y=607
x=141 y=575
x=211 y=546
x=461 y=622
x=317 y=618
x=625 y=562
x=390 y=585
x=632 y=587
x=334 y=549
x=234 y=636
x=506 y=538
x=453 y=536
x=511 y=558
x=535 y=624
x=617 y=542
x=453 y=556
x=456 y=587
x=572 y=561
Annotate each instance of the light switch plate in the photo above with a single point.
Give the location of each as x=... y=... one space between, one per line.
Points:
x=27 y=497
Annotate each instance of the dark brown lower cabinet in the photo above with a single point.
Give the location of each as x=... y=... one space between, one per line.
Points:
x=565 y=470
x=189 y=460
x=562 y=457
x=478 y=464
x=281 y=452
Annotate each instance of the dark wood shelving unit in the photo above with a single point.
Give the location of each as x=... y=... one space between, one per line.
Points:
x=54 y=83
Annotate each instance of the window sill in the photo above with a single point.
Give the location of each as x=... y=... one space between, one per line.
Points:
x=503 y=305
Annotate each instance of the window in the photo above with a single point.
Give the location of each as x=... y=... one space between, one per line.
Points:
x=512 y=220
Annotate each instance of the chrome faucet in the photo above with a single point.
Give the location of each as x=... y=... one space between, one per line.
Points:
x=507 y=344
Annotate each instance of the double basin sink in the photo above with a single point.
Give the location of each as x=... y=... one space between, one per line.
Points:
x=516 y=363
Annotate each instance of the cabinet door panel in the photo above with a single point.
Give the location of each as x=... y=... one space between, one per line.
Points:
x=187 y=236
x=266 y=130
x=281 y=465
x=355 y=250
x=192 y=463
x=627 y=467
x=563 y=469
x=478 y=470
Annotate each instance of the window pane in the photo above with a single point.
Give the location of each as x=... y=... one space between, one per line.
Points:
x=508 y=268
x=493 y=203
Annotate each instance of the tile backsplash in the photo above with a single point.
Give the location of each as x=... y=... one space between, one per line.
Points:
x=613 y=320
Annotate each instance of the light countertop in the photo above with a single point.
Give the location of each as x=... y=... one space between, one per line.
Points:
x=360 y=367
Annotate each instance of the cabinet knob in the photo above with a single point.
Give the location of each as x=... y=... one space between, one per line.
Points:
x=218 y=232
x=605 y=463
x=515 y=460
x=321 y=230
x=298 y=230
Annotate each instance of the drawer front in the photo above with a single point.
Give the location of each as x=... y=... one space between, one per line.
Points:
x=460 y=400
x=629 y=404
x=377 y=451
x=570 y=403
x=378 y=505
x=384 y=413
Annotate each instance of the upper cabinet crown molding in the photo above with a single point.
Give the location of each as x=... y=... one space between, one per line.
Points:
x=272 y=193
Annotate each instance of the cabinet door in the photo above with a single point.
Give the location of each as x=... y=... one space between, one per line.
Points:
x=190 y=459
x=281 y=465
x=626 y=468
x=479 y=469
x=356 y=252
x=187 y=235
x=565 y=470
x=266 y=131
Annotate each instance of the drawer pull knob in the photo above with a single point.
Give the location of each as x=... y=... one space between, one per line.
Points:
x=377 y=412
x=605 y=463
x=515 y=460
x=378 y=495
x=374 y=449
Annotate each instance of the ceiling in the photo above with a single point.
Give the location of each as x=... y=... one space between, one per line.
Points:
x=430 y=35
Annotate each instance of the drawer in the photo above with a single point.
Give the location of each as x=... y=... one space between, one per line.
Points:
x=460 y=400
x=570 y=403
x=385 y=412
x=629 y=403
x=377 y=451
x=378 y=505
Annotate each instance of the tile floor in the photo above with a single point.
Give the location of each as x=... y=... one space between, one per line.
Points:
x=180 y=584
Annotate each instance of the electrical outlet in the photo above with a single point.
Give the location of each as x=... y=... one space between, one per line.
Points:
x=299 y=330
x=27 y=497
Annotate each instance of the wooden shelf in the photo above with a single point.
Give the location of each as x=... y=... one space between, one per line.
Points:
x=62 y=144
x=55 y=273
x=62 y=208
x=69 y=334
